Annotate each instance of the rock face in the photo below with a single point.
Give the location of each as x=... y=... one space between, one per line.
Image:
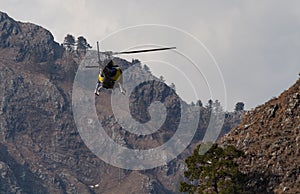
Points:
x=41 y=150
x=16 y=178
x=27 y=41
x=270 y=137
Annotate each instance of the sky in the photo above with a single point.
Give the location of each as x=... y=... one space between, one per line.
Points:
x=231 y=50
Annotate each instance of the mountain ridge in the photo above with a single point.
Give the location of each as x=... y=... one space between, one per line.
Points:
x=270 y=137
x=28 y=41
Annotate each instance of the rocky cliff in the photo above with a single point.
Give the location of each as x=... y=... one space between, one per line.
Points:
x=27 y=41
x=270 y=137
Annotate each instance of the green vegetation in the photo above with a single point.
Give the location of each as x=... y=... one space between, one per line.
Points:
x=80 y=44
x=172 y=86
x=69 y=42
x=199 y=103
x=239 y=106
x=212 y=169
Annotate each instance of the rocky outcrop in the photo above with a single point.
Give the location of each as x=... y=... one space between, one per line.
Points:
x=17 y=178
x=270 y=137
x=27 y=41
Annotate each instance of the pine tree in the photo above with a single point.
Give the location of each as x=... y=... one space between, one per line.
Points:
x=215 y=171
x=239 y=106
x=173 y=87
x=209 y=104
x=199 y=103
x=69 y=42
x=82 y=44
x=161 y=78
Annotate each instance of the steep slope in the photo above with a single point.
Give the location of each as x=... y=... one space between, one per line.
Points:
x=270 y=137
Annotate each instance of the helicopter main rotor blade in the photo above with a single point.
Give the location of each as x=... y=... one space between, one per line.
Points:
x=128 y=52
x=92 y=66
x=143 y=51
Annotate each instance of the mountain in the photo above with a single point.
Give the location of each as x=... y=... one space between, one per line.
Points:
x=270 y=137
x=41 y=149
x=27 y=41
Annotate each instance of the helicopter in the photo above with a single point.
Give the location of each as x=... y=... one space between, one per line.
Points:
x=111 y=74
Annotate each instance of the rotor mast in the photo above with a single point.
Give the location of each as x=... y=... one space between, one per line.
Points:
x=98 y=52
